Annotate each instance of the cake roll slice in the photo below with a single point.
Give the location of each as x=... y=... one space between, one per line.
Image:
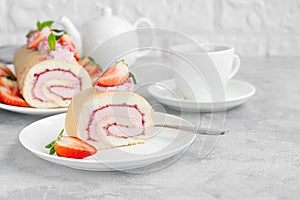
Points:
x=109 y=119
x=48 y=83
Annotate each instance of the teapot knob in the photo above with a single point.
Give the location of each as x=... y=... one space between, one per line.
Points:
x=106 y=12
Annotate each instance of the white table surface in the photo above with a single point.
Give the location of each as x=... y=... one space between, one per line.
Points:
x=259 y=159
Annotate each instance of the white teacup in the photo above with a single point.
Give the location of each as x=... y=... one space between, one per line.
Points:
x=202 y=70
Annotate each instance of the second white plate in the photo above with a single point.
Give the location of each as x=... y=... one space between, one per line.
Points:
x=32 y=111
x=29 y=110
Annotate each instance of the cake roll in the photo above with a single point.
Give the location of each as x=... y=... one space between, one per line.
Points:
x=109 y=119
x=47 y=68
x=48 y=83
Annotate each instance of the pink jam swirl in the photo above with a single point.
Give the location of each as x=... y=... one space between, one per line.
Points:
x=66 y=93
x=115 y=129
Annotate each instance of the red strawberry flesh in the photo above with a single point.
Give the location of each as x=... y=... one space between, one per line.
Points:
x=7 y=97
x=116 y=75
x=5 y=71
x=73 y=147
x=34 y=41
x=10 y=84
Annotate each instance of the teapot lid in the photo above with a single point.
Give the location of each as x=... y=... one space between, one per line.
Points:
x=109 y=22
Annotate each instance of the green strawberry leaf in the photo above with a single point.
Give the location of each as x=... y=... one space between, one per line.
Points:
x=93 y=62
x=100 y=67
x=10 y=77
x=52 y=143
x=52 y=41
x=52 y=151
x=60 y=135
x=91 y=59
x=133 y=78
x=123 y=62
x=48 y=146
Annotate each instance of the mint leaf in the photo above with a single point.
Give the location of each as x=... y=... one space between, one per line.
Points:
x=40 y=25
x=58 y=36
x=133 y=78
x=52 y=41
x=59 y=31
x=30 y=33
x=48 y=23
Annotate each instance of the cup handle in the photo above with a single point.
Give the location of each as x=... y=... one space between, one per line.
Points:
x=235 y=65
x=151 y=25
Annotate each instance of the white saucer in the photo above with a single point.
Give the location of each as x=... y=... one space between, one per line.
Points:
x=237 y=93
x=166 y=144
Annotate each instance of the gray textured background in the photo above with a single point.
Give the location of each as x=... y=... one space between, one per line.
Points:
x=259 y=159
x=254 y=27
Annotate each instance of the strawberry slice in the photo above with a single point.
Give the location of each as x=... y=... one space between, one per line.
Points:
x=91 y=67
x=5 y=71
x=116 y=75
x=10 y=83
x=34 y=40
x=73 y=147
x=67 y=40
x=70 y=147
x=7 y=97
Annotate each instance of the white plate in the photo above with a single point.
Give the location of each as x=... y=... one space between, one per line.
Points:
x=237 y=93
x=164 y=145
x=31 y=111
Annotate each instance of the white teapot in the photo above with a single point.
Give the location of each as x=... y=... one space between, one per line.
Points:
x=108 y=38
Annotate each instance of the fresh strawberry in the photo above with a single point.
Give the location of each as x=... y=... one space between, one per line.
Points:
x=10 y=83
x=7 y=97
x=116 y=75
x=5 y=71
x=70 y=147
x=34 y=40
x=91 y=67
x=76 y=55
x=67 y=40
